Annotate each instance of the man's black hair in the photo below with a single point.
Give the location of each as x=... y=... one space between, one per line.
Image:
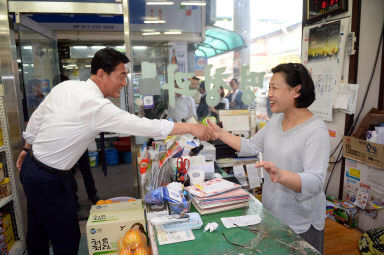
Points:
x=107 y=59
x=195 y=78
x=235 y=80
x=202 y=85
x=295 y=74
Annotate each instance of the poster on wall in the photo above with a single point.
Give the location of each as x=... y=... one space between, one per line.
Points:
x=323 y=54
x=178 y=55
x=357 y=173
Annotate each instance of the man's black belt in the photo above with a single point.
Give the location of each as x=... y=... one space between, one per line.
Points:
x=49 y=169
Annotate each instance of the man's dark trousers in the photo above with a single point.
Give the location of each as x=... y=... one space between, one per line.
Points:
x=51 y=211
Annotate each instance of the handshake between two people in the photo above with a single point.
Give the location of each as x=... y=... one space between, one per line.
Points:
x=204 y=133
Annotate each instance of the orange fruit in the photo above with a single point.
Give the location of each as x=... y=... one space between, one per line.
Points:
x=108 y=201
x=100 y=202
x=134 y=238
x=116 y=202
x=126 y=251
x=141 y=250
x=131 y=199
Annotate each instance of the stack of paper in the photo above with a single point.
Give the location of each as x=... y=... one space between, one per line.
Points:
x=218 y=195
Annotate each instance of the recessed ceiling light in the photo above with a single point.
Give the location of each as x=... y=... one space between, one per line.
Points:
x=172 y=33
x=139 y=47
x=201 y=3
x=154 y=21
x=98 y=47
x=151 y=33
x=160 y=3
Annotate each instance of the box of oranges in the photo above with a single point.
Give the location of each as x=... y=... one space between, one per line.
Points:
x=107 y=223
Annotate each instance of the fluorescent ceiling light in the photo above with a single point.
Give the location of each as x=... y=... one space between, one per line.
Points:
x=138 y=47
x=87 y=66
x=98 y=47
x=160 y=3
x=18 y=60
x=27 y=47
x=151 y=33
x=79 y=47
x=120 y=47
x=154 y=21
x=201 y=3
x=172 y=33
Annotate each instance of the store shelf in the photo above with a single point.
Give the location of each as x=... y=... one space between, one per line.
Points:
x=17 y=249
x=6 y=200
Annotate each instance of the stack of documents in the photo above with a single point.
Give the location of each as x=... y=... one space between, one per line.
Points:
x=218 y=195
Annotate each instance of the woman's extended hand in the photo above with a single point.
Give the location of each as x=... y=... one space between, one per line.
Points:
x=274 y=172
x=215 y=128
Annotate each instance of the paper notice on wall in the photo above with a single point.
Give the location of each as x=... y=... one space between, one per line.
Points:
x=363 y=196
x=323 y=50
x=346 y=97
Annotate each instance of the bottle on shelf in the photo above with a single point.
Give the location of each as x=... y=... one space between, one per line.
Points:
x=174 y=59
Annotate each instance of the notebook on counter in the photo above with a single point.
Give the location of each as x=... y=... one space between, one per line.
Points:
x=212 y=187
x=221 y=208
x=235 y=194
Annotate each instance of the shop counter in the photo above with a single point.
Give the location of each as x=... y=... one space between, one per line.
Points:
x=273 y=237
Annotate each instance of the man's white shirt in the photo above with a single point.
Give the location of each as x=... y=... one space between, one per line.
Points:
x=70 y=118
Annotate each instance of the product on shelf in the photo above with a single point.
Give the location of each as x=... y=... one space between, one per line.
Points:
x=1 y=172
x=5 y=188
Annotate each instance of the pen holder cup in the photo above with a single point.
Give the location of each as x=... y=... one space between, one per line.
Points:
x=180 y=207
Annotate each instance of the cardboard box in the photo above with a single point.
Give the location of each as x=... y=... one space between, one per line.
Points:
x=104 y=229
x=342 y=212
x=364 y=151
x=132 y=205
x=373 y=117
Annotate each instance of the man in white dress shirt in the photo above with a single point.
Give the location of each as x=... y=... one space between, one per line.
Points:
x=59 y=132
x=185 y=107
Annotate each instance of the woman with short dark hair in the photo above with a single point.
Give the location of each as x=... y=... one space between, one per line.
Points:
x=296 y=149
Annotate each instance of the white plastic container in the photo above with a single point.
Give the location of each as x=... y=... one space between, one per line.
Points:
x=372 y=135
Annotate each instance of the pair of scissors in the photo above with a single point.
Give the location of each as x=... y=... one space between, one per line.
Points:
x=182 y=168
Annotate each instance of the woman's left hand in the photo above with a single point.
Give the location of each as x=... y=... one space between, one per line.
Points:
x=274 y=172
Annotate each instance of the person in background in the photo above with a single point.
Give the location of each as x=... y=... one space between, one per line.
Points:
x=195 y=84
x=59 y=132
x=296 y=150
x=202 y=109
x=234 y=97
x=223 y=105
x=85 y=169
x=185 y=107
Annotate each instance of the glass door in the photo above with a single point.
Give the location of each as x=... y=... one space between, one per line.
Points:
x=39 y=65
